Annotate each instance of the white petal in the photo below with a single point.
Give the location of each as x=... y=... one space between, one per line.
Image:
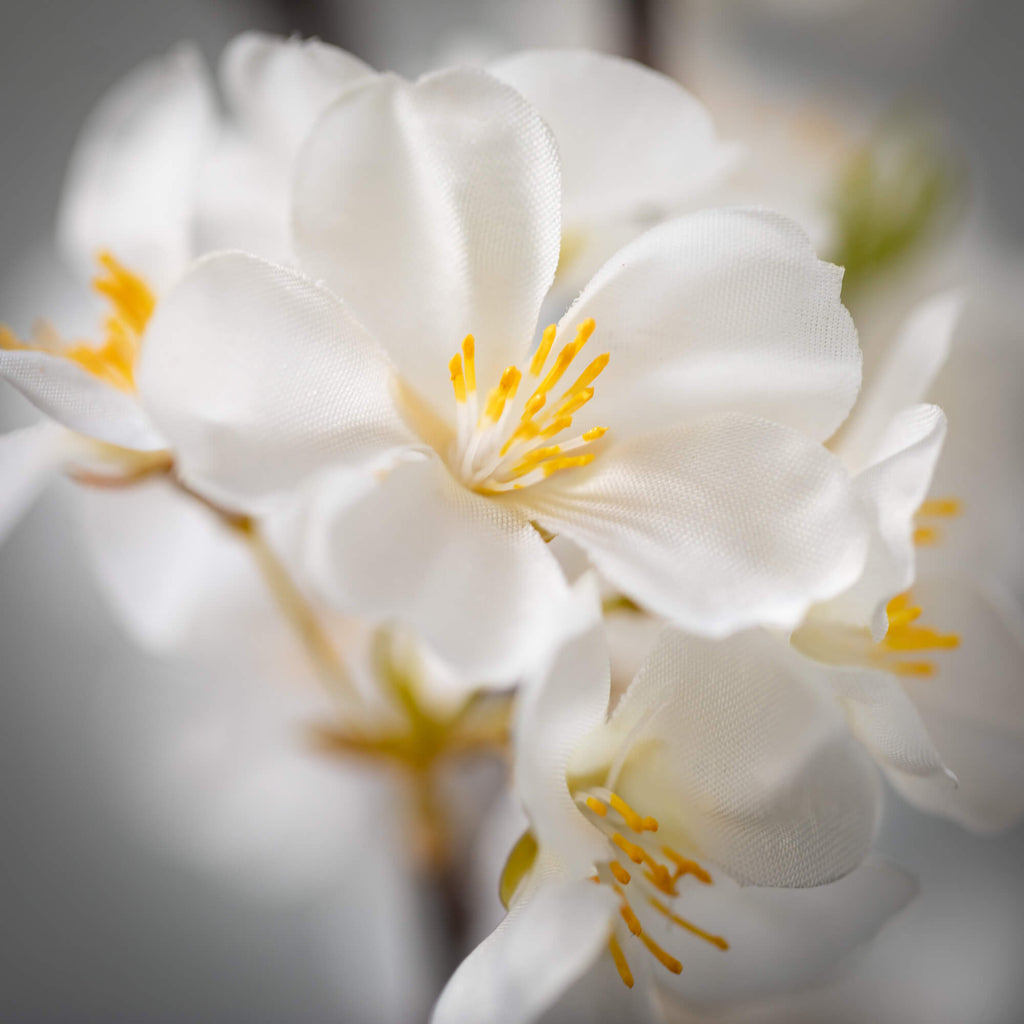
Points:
x=79 y=400
x=433 y=209
x=470 y=574
x=631 y=141
x=28 y=458
x=780 y=939
x=891 y=488
x=547 y=941
x=720 y=311
x=904 y=378
x=973 y=707
x=260 y=377
x=133 y=175
x=724 y=524
x=745 y=757
x=277 y=87
x=559 y=705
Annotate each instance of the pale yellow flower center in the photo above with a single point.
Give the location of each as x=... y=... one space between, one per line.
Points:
x=132 y=303
x=640 y=868
x=520 y=434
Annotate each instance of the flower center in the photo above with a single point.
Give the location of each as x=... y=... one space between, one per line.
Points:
x=904 y=636
x=513 y=440
x=651 y=879
x=132 y=304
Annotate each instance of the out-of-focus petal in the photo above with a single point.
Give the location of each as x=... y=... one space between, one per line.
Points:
x=79 y=400
x=433 y=209
x=631 y=141
x=470 y=574
x=751 y=756
x=260 y=377
x=727 y=523
x=550 y=937
x=132 y=178
x=720 y=311
x=28 y=458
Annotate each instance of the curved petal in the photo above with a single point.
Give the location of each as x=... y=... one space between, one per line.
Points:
x=631 y=140
x=433 y=208
x=783 y=940
x=747 y=758
x=28 y=458
x=559 y=705
x=276 y=87
x=973 y=707
x=469 y=574
x=133 y=174
x=549 y=938
x=903 y=379
x=79 y=400
x=728 y=523
x=720 y=311
x=891 y=489
x=260 y=377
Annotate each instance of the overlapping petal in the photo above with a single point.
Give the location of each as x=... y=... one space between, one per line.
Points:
x=132 y=180
x=28 y=458
x=472 y=576
x=433 y=209
x=718 y=525
x=720 y=311
x=632 y=142
x=260 y=378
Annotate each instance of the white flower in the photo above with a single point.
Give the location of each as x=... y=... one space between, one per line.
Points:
x=724 y=762
x=677 y=455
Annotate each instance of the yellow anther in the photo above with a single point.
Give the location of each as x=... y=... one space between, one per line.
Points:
x=715 y=940
x=660 y=955
x=596 y=806
x=940 y=507
x=571 y=404
x=919 y=638
x=622 y=876
x=469 y=355
x=685 y=866
x=524 y=432
x=567 y=462
x=591 y=373
x=531 y=459
x=503 y=393
x=632 y=921
x=595 y=434
x=458 y=380
x=621 y=964
x=631 y=850
x=913 y=668
x=632 y=819
x=540 y=357
x=900 y=612
x=556 y=426
x=926 y=535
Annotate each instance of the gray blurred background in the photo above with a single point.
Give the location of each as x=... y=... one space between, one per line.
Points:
x=96 y=923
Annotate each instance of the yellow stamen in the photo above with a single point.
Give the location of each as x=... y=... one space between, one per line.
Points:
x=622 y=876
x=914 y=668
x=685 y=866
x=458 y=379
x=926 y=535
x=940 y=507
x=540 y=357
x=596 y=806
x=632 y=819
x=501 y=395
x=660 y=955
x=715 y=940
x=919 y=638
x=556 y=426
x=632 y=921
x=595 y=434
x=567 y=462
x=590 y=374
x=631 y=850
x=572 y=404
x=621 y=964
x=468 y=355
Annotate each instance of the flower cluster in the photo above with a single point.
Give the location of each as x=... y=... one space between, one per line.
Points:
x=548 y=439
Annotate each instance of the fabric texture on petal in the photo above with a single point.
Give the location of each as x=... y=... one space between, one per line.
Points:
x=631 y=141
x=727 y=523
x=80 y=401
x=549 y=938
x=132 y=178
x=260 y=378
x=433 y=209
x=720 y=311
x=469 y=574
x=751 y=756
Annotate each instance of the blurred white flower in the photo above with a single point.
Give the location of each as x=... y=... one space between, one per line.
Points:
x=678 y=457
x=724 y=762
